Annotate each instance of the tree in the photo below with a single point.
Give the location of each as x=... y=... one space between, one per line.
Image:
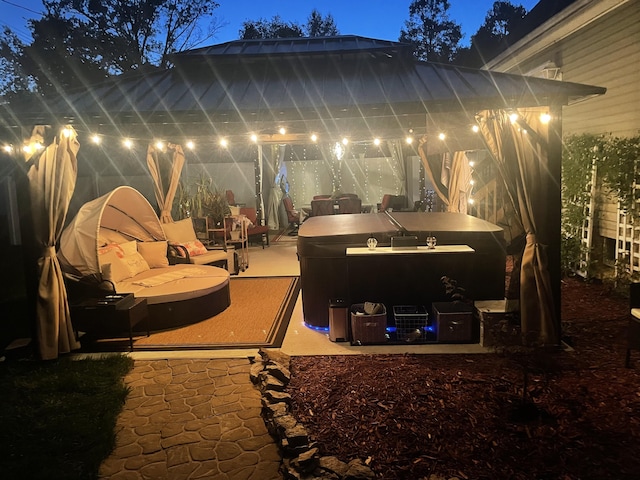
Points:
x=274 y=28
x=429 y=29
x=316 y=26
x=491 y=37
x=319 y=26
x=80 y=41
x=15 y=82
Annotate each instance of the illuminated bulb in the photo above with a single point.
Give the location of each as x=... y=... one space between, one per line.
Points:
x=442 y=136
x=472 y=182
x=191 y=145
x=7 y=148
x=224 y=143
x=282 y=131
x=96 y=139
x=66 y=132
x=472 y=163
x=314 y=138
x=513 y=117
x=545 y=118
x=471 y=201
x=475 y=129
x=28 y=149
x=254 y=138
x=376 y=141
x=409 y=140
x=159 y=145
x=127 y=143
x=345 y=141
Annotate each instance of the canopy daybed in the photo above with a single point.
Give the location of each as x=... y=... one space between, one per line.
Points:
x=118 y=240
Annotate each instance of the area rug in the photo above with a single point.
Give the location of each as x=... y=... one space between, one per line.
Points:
x=258 y=316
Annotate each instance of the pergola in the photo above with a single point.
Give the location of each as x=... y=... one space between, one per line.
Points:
x=246 y=90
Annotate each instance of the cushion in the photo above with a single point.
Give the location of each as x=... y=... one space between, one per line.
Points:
x=136 y=263
x=194 y=248
x=106 y=236
x=111 y=247
x=155 y=253
x=180 y=231
x=129 y=248
x=113 y=266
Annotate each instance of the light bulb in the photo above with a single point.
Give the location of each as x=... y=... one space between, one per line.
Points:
x=96 y=139
x=224 y=142
x=191 y=145
x=442 y=136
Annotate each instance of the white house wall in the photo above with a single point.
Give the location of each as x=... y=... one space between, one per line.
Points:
x=596 y=43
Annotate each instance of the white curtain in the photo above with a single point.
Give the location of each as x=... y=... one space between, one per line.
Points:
x=52 y=180
x=395 y=147
x=275 y=196
x=165 y=196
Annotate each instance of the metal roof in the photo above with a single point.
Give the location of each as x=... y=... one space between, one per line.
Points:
x=243 y=85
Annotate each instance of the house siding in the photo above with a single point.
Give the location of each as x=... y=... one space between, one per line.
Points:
x=604 y=52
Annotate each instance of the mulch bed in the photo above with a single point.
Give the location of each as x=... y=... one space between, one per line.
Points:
x=410 y=416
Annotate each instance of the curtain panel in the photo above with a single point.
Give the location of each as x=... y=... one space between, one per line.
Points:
x=52 y=180
x=520 y=147
x=156 y=162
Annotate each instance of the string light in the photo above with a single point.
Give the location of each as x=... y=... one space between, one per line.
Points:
x=224 y=142
x=282 y=130
x=409 y=140
x=67 y=132
x=314 y=138
x=7 y=148
x=254 y=138
x=127 y=143
x=345 y=141
x=513 y=117
x=159 y=145
x=96 y=139
x=475 y=129
x=442 y=136
x=376 y=141
x=190 y=145
x=545 y=118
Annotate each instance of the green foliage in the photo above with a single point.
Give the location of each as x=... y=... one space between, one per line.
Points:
x=500 y=20
x=436 y=38
x=316 y=26
x=78 y=42
x=200 y=199
x=615 y=162
x=58 y=418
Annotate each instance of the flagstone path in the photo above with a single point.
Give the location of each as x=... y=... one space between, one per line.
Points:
x=192 y=419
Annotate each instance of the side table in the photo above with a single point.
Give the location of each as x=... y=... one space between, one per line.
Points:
x=101 y=317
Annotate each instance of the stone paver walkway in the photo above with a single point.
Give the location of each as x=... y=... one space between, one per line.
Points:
x=192 y=419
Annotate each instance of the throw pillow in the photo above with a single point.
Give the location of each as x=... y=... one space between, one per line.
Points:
x=136 y=263
x=113 y=267
x=194 y=248
x=155 y=253
x=180 y=231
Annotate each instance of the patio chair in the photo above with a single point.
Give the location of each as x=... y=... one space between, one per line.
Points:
x=255 y=229
x=349 y=205
x=322 y=207
x=293 y=216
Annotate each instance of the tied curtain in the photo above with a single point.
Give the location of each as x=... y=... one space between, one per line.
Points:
x=520 y=149
x=155 y=161
x=276 y=194
x=52 y=180
x=449 y=175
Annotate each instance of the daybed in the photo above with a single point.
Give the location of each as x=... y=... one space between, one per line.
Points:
x=117 y=241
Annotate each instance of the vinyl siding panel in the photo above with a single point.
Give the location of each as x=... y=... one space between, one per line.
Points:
x=605 y=53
